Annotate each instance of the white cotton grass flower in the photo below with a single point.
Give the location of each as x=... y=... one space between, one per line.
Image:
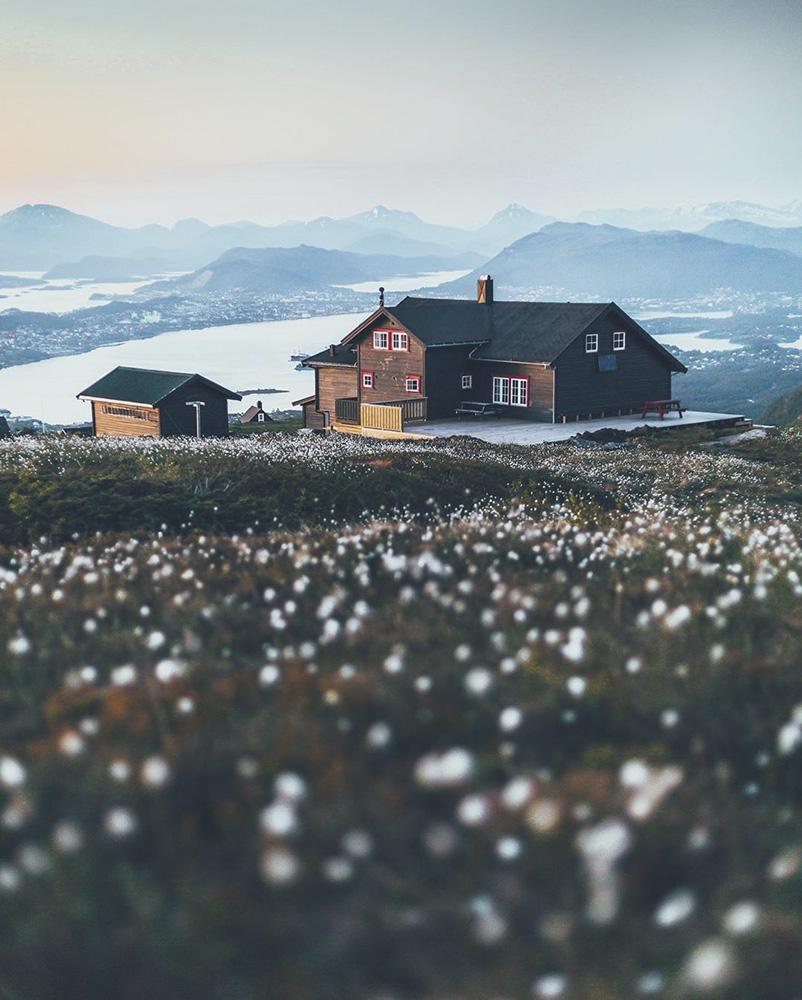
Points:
x=510 y=719
x=120 y=822
x=675 y=908
x=517 y=792
x=601 y=848
x=67 y=837
x=478 y=681
x=544 y=815
x=155 y=772
x=357 y=843
x=34 y=859
x=280 y=866
x=788 y=738
x=71 y=744
x=155 y=640
x=269 y=675
x=279 y=819
x=446 y=769
x=440 y=840
x=576 y=686
x=677 y=618
x=509 y=848
x=169 y=670
x=710 y=966
x=785 y=865
x=19 y=645
x=123 y=676
x=552 y=985
x=290 y=787
x=337 y=869
x=378 y=736
x=489 y=928
x=650 y=983
x=741 y=918
x=120 y=770
x=12 y=773
x=473 y=810
x=10 y=878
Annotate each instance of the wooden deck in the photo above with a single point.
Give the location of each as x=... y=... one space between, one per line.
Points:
x=503 y=431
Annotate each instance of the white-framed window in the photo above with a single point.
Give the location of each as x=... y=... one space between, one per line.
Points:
x=591 y=343
x=501 y=390
x=260 y=417
x=412 y=383
x=400 y=341
x=619 y=340
x=381 y=340
x=367 y=380
x=519 y=392
x=467 y=381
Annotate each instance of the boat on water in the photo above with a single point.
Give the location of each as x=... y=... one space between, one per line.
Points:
x=298 y=355
x=300 y=368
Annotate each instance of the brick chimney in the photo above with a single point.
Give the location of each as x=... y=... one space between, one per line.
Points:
x=484 y=290
x=332 y=350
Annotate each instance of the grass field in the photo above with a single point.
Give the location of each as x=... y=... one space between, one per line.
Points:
x=295 y=718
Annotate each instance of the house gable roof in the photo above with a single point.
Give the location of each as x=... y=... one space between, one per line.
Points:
x=344 y=356
x=146 y=386
x=529 y=332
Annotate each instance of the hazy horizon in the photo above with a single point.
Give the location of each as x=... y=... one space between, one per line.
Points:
x=153 y=112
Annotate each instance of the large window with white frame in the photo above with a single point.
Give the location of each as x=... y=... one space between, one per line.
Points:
x=619 y=340
x=501 y=390
x=591 y=343
x=400 y=341
x=412 y=383
x=467 y=381
x=519 y=392
x=381 y=341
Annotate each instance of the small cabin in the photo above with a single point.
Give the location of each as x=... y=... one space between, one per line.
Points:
x=141 y=402
x=255 y=415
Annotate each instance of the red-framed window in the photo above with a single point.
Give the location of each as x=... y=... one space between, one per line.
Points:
x=510 y=390
x=381 y=340
x=591 y=343
x=412 y=383
x=467 y=381
x=368 y=380
x=400 y=340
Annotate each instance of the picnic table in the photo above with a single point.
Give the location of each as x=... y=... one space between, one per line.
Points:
x=662 y=407
x=474 y=408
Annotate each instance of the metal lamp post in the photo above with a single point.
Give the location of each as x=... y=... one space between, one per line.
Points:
x=197 y=403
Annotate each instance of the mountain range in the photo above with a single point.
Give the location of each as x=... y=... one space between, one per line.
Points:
x=609 y=262
x=280 y=270
x=35 y=237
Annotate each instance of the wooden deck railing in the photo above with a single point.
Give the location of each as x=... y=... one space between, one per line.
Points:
x=347 y=410
x=381 y=417
x=411 y=409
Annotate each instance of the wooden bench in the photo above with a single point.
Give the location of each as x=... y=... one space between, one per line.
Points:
x=472 y=408
x=662 y=407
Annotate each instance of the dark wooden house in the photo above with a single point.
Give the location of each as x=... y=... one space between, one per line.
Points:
x=255 y=415
x=548 y=361
x=137 y=402
x=5 y=430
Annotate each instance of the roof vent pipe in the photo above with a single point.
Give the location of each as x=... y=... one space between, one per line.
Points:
x=484 y=290
x=332 y=350
x=381 y=297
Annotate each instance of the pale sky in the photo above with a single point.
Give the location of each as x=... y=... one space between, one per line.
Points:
x=154 y=110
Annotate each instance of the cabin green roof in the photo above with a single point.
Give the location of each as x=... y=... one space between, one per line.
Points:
x=145 y=385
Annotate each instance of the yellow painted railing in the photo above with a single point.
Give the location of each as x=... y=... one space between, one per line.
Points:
x=376 y=417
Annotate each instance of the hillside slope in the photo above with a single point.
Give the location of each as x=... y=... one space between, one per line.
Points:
x=543 y=746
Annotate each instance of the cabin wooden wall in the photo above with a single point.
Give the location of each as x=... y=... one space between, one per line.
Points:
x=334 y=382
x=312 y=418
x=390 y=368
x=541 y=388
x=641 y=374
x=445 y=367
x=108 y=422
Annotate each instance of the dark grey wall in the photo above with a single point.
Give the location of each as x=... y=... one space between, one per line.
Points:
x=445 y=367
x=179 y=419
x=641 y=374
